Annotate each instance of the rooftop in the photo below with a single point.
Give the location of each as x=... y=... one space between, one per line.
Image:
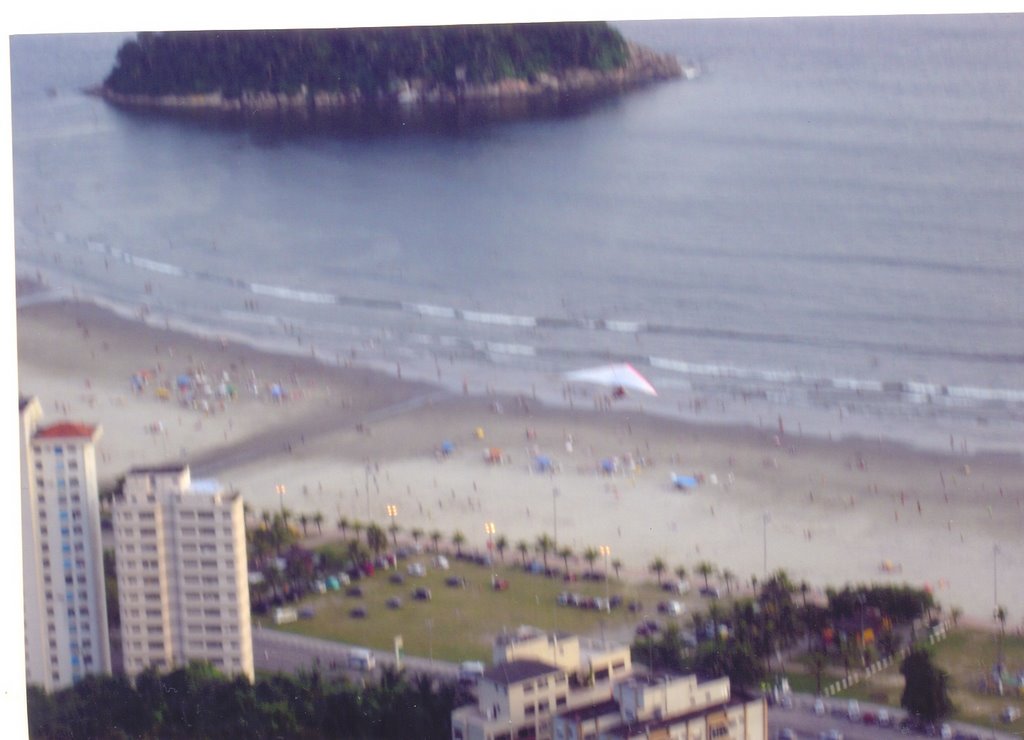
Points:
x=206 y=487
x=64 y=429
x=518 y=670
x=157 y=469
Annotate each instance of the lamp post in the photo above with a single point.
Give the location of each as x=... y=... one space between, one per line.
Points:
x=392 y=514
x=766 y=517
x=280 y=492
x=489 y=529
x=554 y=513
x=606 y=551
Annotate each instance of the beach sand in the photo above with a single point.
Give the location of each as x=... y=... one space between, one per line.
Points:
x=349 y=441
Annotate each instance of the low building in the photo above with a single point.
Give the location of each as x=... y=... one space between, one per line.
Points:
x=536 y=676
x=564 y=687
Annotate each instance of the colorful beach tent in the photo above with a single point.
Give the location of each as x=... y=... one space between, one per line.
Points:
x=622 y=375
x=684 y=481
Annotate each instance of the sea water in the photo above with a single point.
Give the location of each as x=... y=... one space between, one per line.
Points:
x=825 y=225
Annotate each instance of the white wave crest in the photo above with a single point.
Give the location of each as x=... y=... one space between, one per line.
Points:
x=303 y=296
x=499 y=318
x=425 y=309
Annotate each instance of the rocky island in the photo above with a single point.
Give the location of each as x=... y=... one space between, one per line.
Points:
x=307 y=73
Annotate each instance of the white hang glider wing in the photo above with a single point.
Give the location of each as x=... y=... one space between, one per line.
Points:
x=622 y=375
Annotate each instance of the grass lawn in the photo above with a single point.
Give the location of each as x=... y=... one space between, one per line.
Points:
x=461 y=623
x=966 y=655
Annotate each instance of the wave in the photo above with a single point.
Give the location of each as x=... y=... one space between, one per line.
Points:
x=303 y=296
x=503 y=319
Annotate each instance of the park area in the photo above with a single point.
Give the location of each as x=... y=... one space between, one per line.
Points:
x=460 y=622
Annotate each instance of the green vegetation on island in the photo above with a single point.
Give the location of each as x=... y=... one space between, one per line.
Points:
x=336 y=68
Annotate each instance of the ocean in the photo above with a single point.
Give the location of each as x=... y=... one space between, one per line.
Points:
x=826 y=225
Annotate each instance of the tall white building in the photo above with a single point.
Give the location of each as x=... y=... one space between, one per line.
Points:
x=62 y=554
x=182 y=573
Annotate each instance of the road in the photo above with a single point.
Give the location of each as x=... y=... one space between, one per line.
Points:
x=281 y=651
x=809 y=726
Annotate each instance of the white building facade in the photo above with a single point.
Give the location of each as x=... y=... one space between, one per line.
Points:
x=182 y=573
x=66 y=635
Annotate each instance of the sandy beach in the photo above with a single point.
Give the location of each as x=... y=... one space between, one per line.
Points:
x=346 y=441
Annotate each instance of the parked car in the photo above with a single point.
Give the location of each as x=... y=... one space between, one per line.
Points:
x=832 y=734
x=354 y=591
x=945 y=731
x=394 y=603
x=1010 y=714
x=711 y=592
x=358 y=613
x=361 y=659
x=307 y=612
x=853 y=710
x=670 y=607
x=455 y=582
x=647 y=628
x=819 y=707
x=416 y=569
x=884 y=718
x=635 y=606
x=396 y=578
x=441 y=562
x=786 y=734
x=421 y=594
x=676 y=587
x=470 y=671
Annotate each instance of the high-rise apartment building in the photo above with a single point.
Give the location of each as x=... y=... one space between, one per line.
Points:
x=65 y=603
x=182 y=573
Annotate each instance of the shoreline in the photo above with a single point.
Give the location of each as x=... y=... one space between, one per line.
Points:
x=351 y=439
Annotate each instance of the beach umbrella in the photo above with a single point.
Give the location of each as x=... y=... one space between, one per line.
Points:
x=622 y=376
x=447 y=447
x=543 y=463
x=684 y=481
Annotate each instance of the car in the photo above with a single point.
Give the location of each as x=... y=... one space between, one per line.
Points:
x=615 y=602
x=869 y=718
x=563 y=599
x=455 y=582
x=711 y=592
x=354 y=591
x=358 y=613
x=647 y=628
x=416 y=569
x=635 y=606
x=670 y=607
x=1010 y=714
x=396 y=578
x=819 y=707
x=786 y=733
x=853 y=710
x=421 y=594
x=884 y=718
x=832 y=734
x=394 y=603
x=945 y=731
x=307 y=612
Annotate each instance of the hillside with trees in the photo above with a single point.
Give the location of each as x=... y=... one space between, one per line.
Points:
x=326 y=69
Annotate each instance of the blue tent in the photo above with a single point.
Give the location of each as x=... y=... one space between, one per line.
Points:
x=608 y=465
x=543 y=463
x=447 y=447
x=684 y=481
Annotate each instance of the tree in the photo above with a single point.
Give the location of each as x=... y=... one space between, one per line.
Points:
x=318 y=519
x=501 y=544
x=343 y=525
x=458 y=539
x=524 y=548
x=304 y=521
x=357 y=527
x=680 y=572
x=544 y=545
x=730 y=578
x=376 y=538
x=590 y=555
x=657 y=567
x=565 y=553
x=394 y=529
x=926 y=688
x=705 y=569
x=435 y=537
x=1000 y=616
x=416 y=533
x=617 y=564
x=955 y=613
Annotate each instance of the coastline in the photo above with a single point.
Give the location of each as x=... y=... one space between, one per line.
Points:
x=352 y=439
x=644 y=67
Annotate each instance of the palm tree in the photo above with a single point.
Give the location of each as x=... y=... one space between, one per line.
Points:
x=680 y=573
x=416 y=533
x=343 y=524
x=286 y=514
x=1000 y=616
x=267 y=518
x=705 y=569
x=657 y=567
x=357 y=527
x=617 y=564
x=591 y=554
x=501 y=544
x=376 y=538
x=394 y=529
x=729 y=577
x=804 y=588
x=544 y=544
x=318 y=519
x=458 y=539
x=303 y=520
x=523 y=549
x=565 y=553
x=435 y=537
x=955 y=613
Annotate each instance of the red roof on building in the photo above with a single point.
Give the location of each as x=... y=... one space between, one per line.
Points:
x=66 y=429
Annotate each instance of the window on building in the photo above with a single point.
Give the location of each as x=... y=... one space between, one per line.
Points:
x=542 y=706
x=560 y=702
x=530 y=710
